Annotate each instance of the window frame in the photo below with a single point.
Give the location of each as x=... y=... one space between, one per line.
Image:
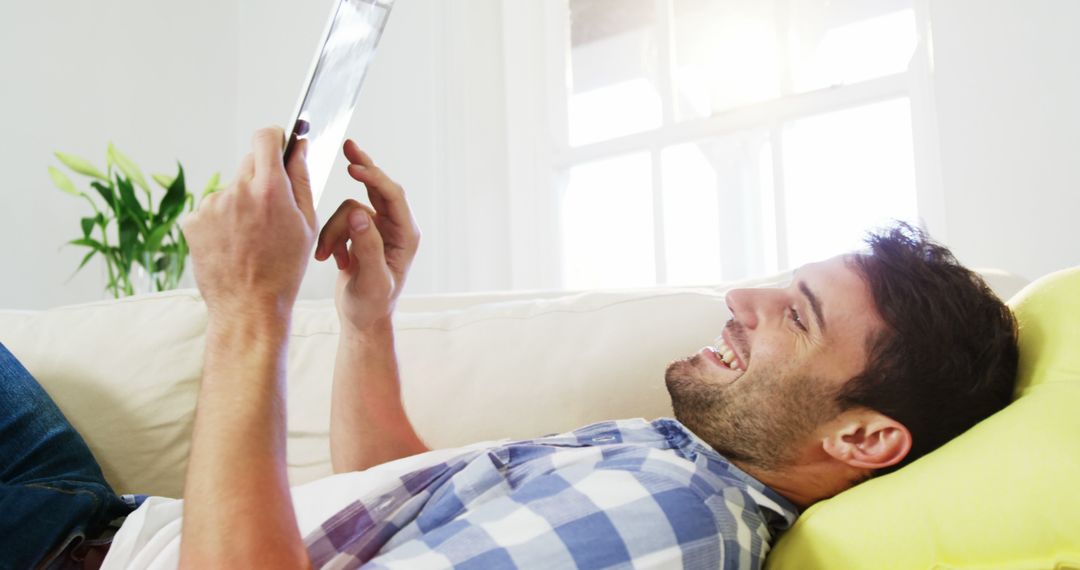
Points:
x=538 y=80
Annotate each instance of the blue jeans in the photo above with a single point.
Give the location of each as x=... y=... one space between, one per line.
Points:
x=52 y=492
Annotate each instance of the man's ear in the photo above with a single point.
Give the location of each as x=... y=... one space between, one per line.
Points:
x=868 y=440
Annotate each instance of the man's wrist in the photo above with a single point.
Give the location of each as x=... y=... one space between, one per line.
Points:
x=251 y=308
x=251 y=325
x=377 y=332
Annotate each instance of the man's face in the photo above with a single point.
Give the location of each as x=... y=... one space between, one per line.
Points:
x=791 y=349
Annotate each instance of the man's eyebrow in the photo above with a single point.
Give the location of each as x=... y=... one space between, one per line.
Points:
x=815 y=304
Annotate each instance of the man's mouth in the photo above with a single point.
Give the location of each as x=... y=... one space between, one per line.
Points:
x=724 y=356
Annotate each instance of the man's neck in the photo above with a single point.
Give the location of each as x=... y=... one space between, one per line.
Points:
x=803 y=483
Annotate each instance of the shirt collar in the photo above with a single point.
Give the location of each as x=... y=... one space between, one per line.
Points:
x=691 y=446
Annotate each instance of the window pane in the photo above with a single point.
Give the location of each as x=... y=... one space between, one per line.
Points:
x=607 y=224
x=726 y=55
x=691 y=216
x=614 y=67
x=844 y=173
x=715 y=205
x=836 y=42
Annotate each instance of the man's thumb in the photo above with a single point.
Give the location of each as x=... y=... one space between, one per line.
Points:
x=367 y=245
x=359 y=220
x=300 y=179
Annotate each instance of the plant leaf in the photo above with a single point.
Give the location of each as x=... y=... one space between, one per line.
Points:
x=128 y=167
x=153 y=242
x=173 y=202
x=108 y=194
x=212 y=185
x=163 y=180
x=88 y=242
x=80 y=165
x=141 y=258
x=87 y=226
x=85 y=260
x=129 y=239
x=61 y=181
x=112 y=287
x=131 y=204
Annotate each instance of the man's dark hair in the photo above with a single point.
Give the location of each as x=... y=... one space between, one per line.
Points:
x=948 y=355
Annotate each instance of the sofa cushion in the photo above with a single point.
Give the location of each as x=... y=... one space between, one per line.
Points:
x=474 y=367
x=126 y=372
x=514 y=369
x=1002 y=495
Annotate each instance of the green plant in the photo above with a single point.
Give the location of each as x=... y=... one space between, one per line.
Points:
x=130 y=234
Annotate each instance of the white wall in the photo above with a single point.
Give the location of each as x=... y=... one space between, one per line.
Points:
x=1007 y=88
x=431 y=114
x=192 y=80
x=149 y=76
x=396 y=119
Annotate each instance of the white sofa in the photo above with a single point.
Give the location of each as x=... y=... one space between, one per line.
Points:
x=474 y=367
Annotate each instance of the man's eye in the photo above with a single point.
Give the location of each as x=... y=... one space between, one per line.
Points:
x=796 y=318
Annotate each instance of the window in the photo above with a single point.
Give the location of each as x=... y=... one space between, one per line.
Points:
x=713 y=140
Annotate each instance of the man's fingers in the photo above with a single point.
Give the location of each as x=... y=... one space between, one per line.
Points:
x=301 y=183
x=357 y=156
x=367 y=261
x=363 y=258
x=247 y=169
x=386 y=195
x=336 y=231
x=267 y=146
x=341 y=256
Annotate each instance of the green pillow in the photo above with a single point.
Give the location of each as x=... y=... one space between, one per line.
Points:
x=1006 y=494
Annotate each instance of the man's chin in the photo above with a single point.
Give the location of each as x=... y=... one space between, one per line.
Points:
x=681 y=376
x=693 y=374
x=683 y=367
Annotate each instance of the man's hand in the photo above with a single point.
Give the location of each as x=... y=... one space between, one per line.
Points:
x=368 y=424
x=250 y=242
x=250 y=245
x=373 y=248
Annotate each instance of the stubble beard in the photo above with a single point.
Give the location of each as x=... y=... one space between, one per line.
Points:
x=762 y=419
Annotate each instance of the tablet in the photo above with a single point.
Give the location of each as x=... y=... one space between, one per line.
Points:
x=333 y=84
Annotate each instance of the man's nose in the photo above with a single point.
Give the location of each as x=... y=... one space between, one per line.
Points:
x=751 y=307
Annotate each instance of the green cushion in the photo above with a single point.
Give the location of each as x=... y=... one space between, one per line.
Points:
x=1006 y=494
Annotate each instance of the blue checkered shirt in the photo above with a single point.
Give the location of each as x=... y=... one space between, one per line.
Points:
x=619 y=494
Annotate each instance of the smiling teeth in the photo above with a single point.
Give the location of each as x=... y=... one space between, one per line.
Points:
x=725 y=353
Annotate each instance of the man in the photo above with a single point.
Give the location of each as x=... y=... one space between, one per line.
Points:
x=862 y=364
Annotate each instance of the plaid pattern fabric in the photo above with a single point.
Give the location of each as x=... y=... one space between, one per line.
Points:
x=620 y=494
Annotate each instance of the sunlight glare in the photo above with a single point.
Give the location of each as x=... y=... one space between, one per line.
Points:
x=614 y=110
x=844 y=173
x=692 y=215
x=607 y=217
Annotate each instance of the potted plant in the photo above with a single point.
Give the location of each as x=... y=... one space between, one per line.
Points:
x=138 y=237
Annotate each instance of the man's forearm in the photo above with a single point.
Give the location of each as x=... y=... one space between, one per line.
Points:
x=368 y=424
x=238 y=512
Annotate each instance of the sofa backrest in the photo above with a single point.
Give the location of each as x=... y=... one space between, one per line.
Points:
x=474 y=367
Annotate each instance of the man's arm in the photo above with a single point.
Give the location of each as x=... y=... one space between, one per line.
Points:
x=238 y=511
x=368 y=423
x=373 y=249
x=249 y=247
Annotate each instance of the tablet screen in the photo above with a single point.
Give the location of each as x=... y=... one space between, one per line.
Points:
x=334 y=86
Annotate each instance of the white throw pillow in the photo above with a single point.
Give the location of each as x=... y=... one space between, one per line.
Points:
x=125 y=374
